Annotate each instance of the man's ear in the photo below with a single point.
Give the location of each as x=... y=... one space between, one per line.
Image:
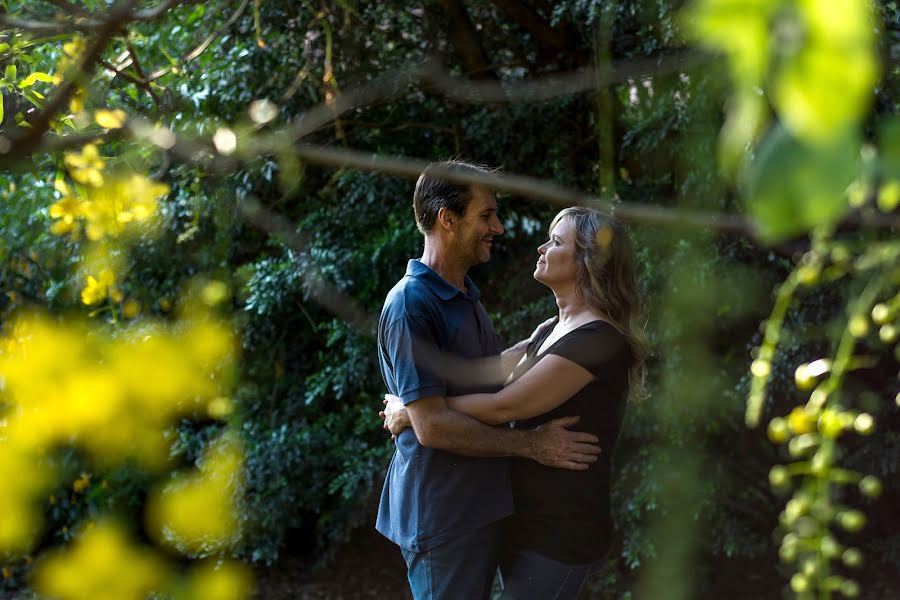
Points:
x=447 y=218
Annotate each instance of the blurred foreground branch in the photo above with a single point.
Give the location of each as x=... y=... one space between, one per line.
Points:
x=322 y=292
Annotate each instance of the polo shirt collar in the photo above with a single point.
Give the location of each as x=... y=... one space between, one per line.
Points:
x=416 y=268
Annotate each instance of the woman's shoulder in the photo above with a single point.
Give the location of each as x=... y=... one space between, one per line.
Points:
x=600 y=339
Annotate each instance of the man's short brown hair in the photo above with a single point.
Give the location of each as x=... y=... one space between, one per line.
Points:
x=434 y=193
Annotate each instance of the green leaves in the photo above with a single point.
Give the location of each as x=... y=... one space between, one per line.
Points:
x=889 y=148
x=815 y=61
x=739 y=28
x=824 y=84
x=793 y=187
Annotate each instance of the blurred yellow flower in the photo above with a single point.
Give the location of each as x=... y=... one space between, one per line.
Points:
x=114 y=395
x=66 y=211
x=86 y=166
x=196 y=513
x=110 y=119
x=101 y=565
x=219 y=580
x=82 y=483
x=76 y=103
x=131 y=309
x=25 y=482
x=73 y=49
x=209 y=343
x=214 y=293
x=122 y=200
x=220 y=407
x=97 y=288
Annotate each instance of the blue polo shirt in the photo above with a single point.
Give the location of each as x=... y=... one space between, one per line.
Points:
x=427 y=330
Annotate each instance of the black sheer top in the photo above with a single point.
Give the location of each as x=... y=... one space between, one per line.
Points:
x=563 y=514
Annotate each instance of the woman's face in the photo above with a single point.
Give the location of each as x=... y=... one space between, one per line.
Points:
x=556 y=266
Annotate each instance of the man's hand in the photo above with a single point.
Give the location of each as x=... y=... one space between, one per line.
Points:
x=539 y=330
x=555 y=446
x=396 y=419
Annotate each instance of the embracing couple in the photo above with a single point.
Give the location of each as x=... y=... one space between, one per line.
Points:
x=503 y=458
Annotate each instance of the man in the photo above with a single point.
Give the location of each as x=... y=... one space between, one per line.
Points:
x=448 y=484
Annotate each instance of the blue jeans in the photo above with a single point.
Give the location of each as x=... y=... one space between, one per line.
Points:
x=528 y=575
x=462 y=568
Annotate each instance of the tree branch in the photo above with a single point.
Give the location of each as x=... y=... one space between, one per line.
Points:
x=84 y=22
x=23 y=140
x=530 y=187
x=465 y=40
x=552 y=40
x=325 y=294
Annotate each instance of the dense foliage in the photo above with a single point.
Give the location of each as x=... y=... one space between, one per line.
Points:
x=308 y=388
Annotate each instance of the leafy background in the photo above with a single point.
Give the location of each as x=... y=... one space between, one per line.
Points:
x=309 y=389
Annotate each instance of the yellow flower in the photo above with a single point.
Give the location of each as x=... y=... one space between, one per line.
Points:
x=97 y=289
x=119 y=202
x=73 y=48
x=86 y=166
x=76 y=103
x=100 y=565
x=131 y=309
x=110 y=119
x=66 y=210
x=82 y=483
x=220 y=580
x=196 y=513
x=220 y=407
x=25 y=479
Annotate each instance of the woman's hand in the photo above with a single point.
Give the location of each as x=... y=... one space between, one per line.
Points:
x=396 y=419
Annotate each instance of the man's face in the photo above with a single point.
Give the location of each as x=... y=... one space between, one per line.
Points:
x=478 y=227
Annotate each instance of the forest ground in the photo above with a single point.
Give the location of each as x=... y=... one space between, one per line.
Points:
x=371 y=567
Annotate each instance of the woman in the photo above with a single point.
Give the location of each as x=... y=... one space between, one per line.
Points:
x=586 y=363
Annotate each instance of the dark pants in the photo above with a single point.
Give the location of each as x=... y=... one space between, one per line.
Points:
x=528 y=575
x=462 y=568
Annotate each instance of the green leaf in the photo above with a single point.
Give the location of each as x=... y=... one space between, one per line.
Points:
x=792 y=187
x=33 y=99
x=748 y=115
x=11 y=72
x=1 y=107
x=738 y=29
x=825 y=87
x=35 y=77
x=4 y=47
x=889 y=147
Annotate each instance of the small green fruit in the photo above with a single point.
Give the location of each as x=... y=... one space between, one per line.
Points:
x=870 y=486
x=852 y=557
x=851 y=520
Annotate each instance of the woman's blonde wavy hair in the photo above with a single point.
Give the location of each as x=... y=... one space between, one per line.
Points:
x=606 y=280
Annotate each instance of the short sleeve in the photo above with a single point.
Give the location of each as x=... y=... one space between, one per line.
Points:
x=411 y=347
x=599 y=350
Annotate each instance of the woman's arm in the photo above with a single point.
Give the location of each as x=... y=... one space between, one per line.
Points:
x=548 y=384
x=545 y=386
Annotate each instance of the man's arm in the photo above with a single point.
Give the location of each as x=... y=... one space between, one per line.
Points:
x=436 y=426
x=512 y=355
